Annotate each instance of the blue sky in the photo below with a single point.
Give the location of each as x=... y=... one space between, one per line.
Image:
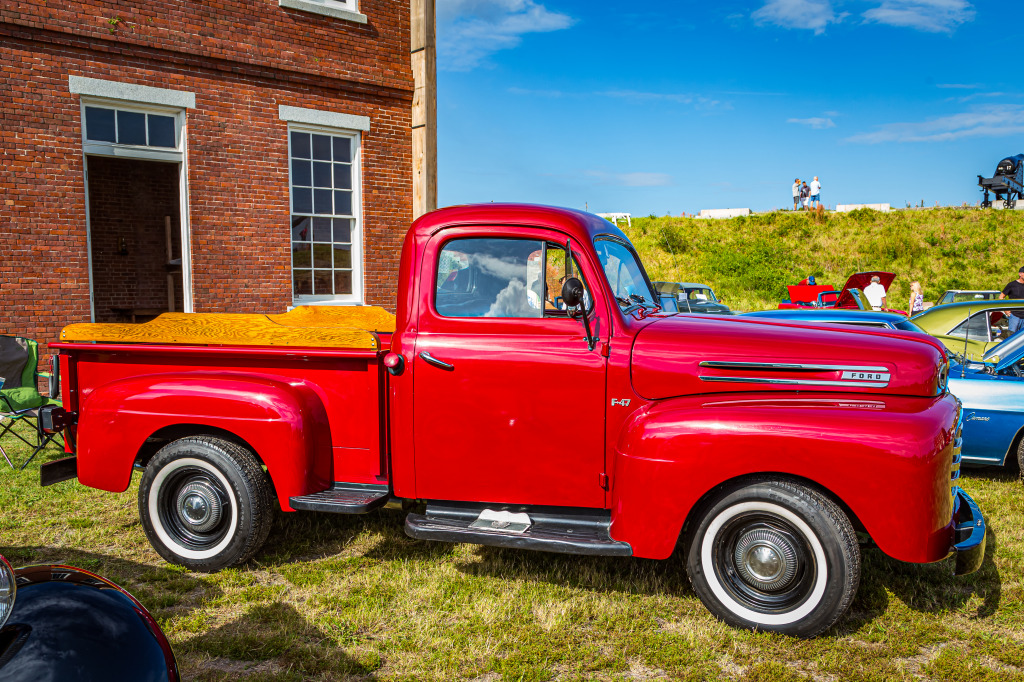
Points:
x=672 y=107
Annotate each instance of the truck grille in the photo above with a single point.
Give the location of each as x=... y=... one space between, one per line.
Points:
x=958 y=441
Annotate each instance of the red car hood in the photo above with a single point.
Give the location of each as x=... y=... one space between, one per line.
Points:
x=686 y=355
x=859 y=280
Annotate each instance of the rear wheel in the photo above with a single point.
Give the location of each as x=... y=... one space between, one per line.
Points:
x=205 y=503
x=774 y=555
x=1020 y=458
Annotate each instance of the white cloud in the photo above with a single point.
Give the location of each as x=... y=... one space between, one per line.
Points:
x=469 y=31
x=817 y=123
x=981 y=95
x=935 y=16
x=631 y=179
x=813 y=15
x=698 y=101
x=991 y=121
x=536 y=93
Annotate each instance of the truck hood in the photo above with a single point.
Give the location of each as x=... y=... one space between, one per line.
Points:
x=689 y=355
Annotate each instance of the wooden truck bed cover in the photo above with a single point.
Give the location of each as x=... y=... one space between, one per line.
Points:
x=305 y=326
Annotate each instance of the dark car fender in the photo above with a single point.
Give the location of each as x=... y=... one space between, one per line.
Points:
x=886 y=458
x=70 y=624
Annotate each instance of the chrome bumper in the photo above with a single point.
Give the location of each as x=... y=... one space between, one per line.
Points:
x=968 y=533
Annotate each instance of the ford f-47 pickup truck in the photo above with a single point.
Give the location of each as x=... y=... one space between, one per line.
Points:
x=530 y=393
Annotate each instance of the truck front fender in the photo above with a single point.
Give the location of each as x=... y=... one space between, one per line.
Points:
x=285 y=422
x=886 y=458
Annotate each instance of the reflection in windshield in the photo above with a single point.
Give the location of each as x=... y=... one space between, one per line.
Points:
x=624 y=273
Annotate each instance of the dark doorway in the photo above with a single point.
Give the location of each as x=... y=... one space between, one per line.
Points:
x=135 y=227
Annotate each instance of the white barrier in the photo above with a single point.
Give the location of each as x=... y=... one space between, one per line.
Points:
x=616 y=217
x=723 y=212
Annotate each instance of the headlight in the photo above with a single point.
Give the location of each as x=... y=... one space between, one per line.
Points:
x=8 y=588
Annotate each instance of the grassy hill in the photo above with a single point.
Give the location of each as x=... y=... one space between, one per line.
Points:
x=749 y=260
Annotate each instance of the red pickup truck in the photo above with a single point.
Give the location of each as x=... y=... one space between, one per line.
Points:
x=531 y=394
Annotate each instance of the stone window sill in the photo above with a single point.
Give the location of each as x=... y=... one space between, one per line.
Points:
x=327 y=10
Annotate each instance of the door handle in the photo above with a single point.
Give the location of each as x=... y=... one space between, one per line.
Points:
x=431 y=360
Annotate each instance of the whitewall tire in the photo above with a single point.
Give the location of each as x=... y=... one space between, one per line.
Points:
x=774 y=555
x=205 y=503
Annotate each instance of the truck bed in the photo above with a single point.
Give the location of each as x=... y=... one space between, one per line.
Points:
x=305 y=326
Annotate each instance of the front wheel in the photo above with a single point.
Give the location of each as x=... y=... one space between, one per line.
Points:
x=775 y=555
x=205 y=503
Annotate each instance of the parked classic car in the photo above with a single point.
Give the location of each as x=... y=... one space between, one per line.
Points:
x=848 y=316
x=966 y=295
x=689 y=297
x=970 y=329
x=992 y=393
x=64 y=623
x=806 y=294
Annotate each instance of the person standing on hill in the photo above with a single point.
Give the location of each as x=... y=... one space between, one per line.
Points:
x=1015 y=291
x=796 y=194
x=815 y=192
x=875 y=293
x=805 y=193
x=916 y=298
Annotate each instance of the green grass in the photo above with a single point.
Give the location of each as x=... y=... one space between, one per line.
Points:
x=750 y=260
x=335 y=597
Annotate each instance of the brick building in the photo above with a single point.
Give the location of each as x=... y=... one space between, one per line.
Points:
x=220 y=156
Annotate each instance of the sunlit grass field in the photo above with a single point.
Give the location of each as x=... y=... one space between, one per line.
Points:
x=750 y=260
x=334 y=597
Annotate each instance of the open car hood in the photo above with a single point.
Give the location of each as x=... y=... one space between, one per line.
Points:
x=859 y=280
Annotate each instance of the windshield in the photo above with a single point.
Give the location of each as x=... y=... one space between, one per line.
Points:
x=624 y=273
x=699 y=295
x=1007 y=350
x=908 y=326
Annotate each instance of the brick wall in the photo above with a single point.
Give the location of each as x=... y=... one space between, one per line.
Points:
x=242 y=60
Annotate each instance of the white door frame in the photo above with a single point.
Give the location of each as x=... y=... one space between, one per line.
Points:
x=177 y=156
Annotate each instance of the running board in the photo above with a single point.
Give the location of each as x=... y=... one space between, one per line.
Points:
x=344 y=498
x=547 y=529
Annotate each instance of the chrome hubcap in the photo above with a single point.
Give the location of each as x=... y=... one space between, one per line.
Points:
x=199 y=506
x=766 y=560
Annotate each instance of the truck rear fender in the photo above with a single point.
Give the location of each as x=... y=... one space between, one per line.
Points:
x=284 y=422
x=878 y=457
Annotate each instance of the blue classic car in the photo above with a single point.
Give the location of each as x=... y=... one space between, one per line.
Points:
x=860 y=318
x=992 y=394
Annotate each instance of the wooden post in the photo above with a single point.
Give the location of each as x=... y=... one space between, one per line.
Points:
x=423 y=49
x=170 y=257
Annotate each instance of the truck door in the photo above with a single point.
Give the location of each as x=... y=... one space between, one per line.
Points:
x=509 y=401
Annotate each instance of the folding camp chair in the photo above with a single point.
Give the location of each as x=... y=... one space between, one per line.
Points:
x=20 y=399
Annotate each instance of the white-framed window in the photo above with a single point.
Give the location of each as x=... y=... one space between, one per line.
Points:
x=326 y=230
x=140 y=131
x=342 y=9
